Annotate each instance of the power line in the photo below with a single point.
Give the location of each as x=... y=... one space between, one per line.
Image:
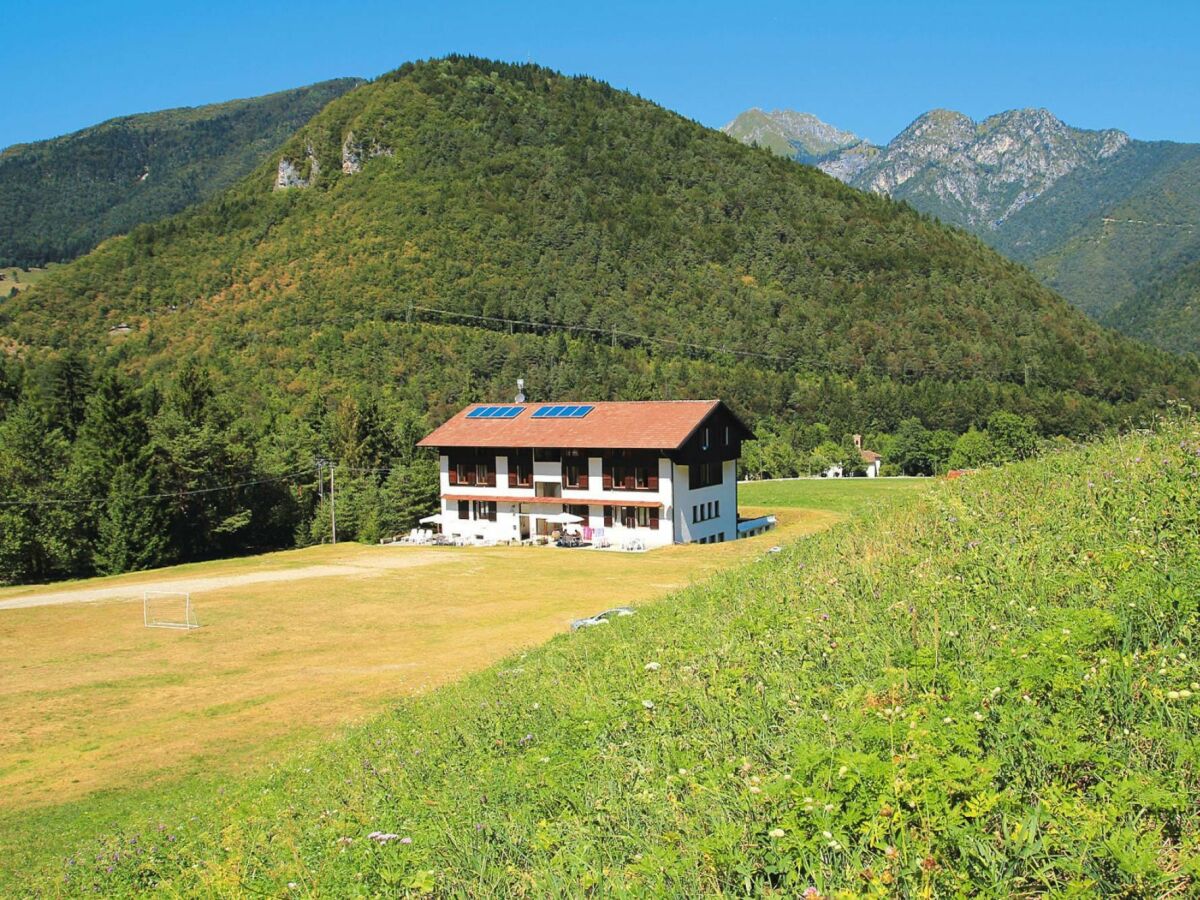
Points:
x=48 y=501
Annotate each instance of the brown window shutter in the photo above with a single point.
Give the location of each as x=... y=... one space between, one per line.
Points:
x=464 y=509
x=453 y=472
x=512 y=471
x=654 y=518
x=629 y=483
x=606 y=473
x=492 y=512
x=583 y=474
x=608 y=517
x=652 y=477
x=491 y=479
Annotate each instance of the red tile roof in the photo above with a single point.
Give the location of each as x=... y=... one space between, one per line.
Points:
x=630 y=425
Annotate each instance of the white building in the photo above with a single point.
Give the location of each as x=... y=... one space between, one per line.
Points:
x=872 y=462
x=658 y=472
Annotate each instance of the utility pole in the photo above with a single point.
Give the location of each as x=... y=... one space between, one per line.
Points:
x=332 y=504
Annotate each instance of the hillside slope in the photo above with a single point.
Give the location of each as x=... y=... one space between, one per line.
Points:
x=485 y=189
x=61 y=197
x=1096 y=215
x=1167 y=312
x=990 y=690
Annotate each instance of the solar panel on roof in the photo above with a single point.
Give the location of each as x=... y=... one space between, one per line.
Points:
x=561 y=412
x=494 y=412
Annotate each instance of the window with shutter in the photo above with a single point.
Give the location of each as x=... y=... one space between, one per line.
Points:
x=608 y=516
x=464 y=509
x=654 y=518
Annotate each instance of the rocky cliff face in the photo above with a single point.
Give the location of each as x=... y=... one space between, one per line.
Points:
x=975 y=174
x=979 y=174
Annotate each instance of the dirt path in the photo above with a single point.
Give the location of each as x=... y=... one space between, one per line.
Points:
x=134 y=590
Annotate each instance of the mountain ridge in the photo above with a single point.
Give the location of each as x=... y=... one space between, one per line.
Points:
x=677 y=234
x=61 y=196
x=1068 y=202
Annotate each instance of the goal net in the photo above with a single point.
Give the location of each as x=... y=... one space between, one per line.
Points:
x=168 y=609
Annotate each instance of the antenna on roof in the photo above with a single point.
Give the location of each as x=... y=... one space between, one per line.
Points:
x=520 y=391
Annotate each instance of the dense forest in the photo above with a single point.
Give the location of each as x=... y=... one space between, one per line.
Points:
x=464 y=223
x=61 y=197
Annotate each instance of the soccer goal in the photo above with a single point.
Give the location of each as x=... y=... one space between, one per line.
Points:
x=168 y=609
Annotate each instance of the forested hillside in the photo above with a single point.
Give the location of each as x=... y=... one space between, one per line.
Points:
x=61 y=197
x=432 y=236
x=1102 y=219
x=1167 y=311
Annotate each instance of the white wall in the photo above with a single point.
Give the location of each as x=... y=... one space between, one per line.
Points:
x=685 y=498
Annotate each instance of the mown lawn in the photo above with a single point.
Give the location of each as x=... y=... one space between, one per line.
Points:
x=100 y=717
x=840 y=495
x=990 y=689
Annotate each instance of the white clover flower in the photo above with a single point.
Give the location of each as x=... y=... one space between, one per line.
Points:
x=947 y=720
x=978 y=716
x=1172 y=695
x=842 y=772
x=652 y=667
x=649 y=704
x=776 y=832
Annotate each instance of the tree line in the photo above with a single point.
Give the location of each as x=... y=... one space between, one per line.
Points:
x=100 y=476
x=787 y=449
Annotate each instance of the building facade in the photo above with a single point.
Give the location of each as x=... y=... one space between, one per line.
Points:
x=635 y=473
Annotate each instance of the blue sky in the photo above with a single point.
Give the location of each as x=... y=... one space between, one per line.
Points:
x=866 y=65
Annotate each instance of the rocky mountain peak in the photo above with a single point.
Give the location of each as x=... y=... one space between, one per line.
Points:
x=799 y=135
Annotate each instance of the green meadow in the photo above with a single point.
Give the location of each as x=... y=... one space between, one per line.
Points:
x=988 y=687
x=845 y=496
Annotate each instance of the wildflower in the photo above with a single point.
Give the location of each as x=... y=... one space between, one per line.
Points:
x=1066 y=632
x=842 y=772
x=537 y=706
x=292 y=885
x=1185 y=694
x=828 y=807
x=649 y=704
x=1195 y=685
x=978 y=716
x=384 y=837
x=652 y=667
x=827 y=835
x=755 y=789
x=345 y=841
x=811 y=893
x=776 y=832
x=947 y=720
x=406 y=840
x=995 y=692
x=1172 y=695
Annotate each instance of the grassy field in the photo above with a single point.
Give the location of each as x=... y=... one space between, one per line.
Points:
x=100 y=716
x=13 y=277
x=840 y=495
x=989 y=689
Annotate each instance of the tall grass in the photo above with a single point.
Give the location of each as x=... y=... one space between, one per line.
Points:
x=987 y=689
